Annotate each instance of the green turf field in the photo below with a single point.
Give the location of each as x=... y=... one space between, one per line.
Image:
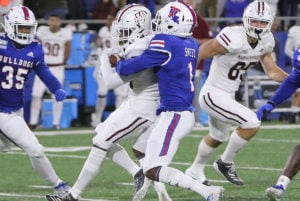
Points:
x=259 y=165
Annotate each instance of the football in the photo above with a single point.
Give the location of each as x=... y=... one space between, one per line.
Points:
x=113 y=59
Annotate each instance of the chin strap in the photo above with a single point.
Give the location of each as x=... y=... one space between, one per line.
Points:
x=257 y=32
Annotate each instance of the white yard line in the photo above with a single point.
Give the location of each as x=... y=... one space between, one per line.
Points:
x=43 y=197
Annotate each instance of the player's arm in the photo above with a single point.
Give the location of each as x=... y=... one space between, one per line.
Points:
x=271 y=69
x=211 y=48
x=111 y=78
x=43 y=72
x=149 y=59
x=287 y=88
x=67 y=51
x=289 y=45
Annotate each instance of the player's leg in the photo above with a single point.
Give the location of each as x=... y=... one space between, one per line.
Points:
x=162 y=146
x=101 y=102
x=291 y=169
x=36 y=101
x=23 y=137
x=218 y=133
x=5 y=144
x=295 y=103
x=119 y=155
x=112 y=130
x=59 y=73
x=223 y=107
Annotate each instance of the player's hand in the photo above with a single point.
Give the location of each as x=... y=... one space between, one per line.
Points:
x=60 y=95
x=266 y=108
x=113 y=60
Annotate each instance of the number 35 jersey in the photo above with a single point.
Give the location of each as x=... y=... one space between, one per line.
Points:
x=227 y=70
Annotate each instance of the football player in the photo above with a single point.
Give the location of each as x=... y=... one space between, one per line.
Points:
x=172 y=53
x=20 y=53
x=234 y=50
x=286 y=89
x=130 y=29
x=56 y=43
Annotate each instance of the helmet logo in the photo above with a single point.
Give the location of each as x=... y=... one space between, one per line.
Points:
x=139 y=16
x=261 y=8
x=173 y=12
x=26 y=13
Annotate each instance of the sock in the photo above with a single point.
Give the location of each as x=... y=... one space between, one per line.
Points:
x=57 y=111
x=235 y=144
x=284 y=181
x=44 y=168
x=122 y=158
x=160 y=189
x=200 y=161
x=177 y=178
x=89 y=171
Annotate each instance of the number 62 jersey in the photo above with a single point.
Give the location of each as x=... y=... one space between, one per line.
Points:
x=227 y=70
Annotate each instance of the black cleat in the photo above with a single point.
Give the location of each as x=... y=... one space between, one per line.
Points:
x=69 y=197
x=141 y=186
x=228 y=171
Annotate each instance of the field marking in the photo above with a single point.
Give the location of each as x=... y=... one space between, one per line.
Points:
x=39 y=196
x=204 y=128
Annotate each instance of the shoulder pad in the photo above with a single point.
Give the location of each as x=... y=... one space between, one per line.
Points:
x=138 y=47
x=232 y=38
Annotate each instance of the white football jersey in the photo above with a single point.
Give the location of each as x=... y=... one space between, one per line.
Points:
x=227 y=71
x=293 y=40
x=143 y=84
x=54 y=43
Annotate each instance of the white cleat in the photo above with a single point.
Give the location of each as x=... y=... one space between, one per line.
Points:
x=275 y=193
x=216 y=192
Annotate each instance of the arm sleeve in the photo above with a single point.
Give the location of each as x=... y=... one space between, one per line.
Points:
x=287 y=88
x=42 y=70
x=111 y=78
x=149 y=59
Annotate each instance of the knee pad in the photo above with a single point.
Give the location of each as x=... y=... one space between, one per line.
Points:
x=113 y=149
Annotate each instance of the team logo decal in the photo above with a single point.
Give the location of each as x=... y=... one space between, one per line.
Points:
x=173 y=14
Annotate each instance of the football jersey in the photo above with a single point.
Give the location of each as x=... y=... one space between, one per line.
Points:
x=293 y=40
x=174 y=60
x=15 y=65
x=144 y=84
x=54 y=43
x=227 y=70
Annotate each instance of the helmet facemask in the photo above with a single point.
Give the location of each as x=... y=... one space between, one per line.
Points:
x=258 y=12
x=132 y=22
x=20 y=25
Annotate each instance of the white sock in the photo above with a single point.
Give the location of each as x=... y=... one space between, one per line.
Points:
x=200 y=161
x=122 y=158
x=44 y=168
x=284 y=181
x=235 y=144
x=160 y=189
x=177 y=178
x=89 y=171
x=57 y=111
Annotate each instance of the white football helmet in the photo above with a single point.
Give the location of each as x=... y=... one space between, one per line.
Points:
x=175 y=18
x=257 y=11
x=17 y=18
x=132 y=22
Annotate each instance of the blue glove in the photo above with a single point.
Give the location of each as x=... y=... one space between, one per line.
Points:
x=266 y=108
x=60 y=95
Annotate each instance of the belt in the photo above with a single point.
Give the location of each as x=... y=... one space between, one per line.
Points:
x=55 y=65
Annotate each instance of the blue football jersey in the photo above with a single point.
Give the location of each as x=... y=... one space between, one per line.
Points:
x=175 y=60
x=15 y=65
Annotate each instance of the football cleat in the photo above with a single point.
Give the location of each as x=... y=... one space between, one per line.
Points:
x=215 y=193
x=53 y=198
x=141 y=186
x=61 y=190
x=275 y=193
x=228 y=171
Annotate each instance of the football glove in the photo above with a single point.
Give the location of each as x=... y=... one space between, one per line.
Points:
x=60 y=94
x=266 y=108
